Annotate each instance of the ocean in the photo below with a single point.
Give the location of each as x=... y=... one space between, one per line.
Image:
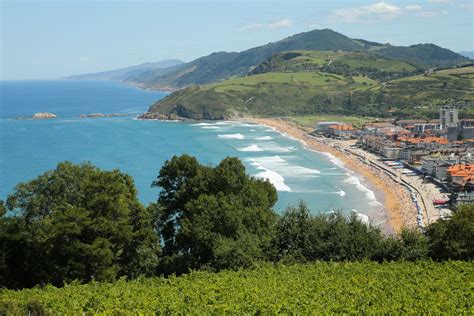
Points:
x=139 y=148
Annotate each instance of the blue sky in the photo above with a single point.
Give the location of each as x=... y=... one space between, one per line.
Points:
x=51 y=39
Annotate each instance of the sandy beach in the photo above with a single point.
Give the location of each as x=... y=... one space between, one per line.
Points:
x=398 y=205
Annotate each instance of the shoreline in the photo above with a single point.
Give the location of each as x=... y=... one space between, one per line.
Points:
x=398 y=206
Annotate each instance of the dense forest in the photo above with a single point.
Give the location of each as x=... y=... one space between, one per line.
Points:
x=79 y=223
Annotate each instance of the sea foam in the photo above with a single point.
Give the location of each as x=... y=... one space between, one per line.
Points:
x=369 y=194
x=264 y=138
x=274 y=177
x=285 y=168
x=202 y=124
x=211 y=127
x=277 y=148
x=231 y=136
x=251 y=148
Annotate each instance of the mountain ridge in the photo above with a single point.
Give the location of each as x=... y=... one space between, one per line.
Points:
x=121 y=73
x=224 y=65
x=220 y=66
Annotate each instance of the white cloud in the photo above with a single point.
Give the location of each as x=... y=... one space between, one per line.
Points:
x=284 y=23
x=439 y=1
x=467 y=6
x=314 y=25
x=83 y=59
x=379 y=11
x=429 y=14
x=413 y=7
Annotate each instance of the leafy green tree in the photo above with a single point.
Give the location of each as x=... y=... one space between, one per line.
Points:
x=453 y=238
x=302 y=237
x=77 y=223
x=292 y=240
x=212 y=217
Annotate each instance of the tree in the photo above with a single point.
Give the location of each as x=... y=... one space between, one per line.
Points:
x=453 y=238
x=77 y=223
x=293 y=235
x=212 y=217
x=302 y=237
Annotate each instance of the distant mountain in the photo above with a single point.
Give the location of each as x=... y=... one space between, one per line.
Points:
x=427 y=54
x=224 y=65
x=122 y=73
x=468 y=54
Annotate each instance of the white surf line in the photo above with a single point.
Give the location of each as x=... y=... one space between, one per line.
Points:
x=333 y=159
x=231 y=136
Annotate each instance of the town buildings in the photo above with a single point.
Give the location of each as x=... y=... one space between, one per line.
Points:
x=441 y=150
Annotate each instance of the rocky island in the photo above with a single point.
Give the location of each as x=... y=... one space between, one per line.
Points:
x=44 y=115
x=38 y=116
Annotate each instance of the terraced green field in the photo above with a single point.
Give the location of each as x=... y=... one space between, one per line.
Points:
x=320 y=288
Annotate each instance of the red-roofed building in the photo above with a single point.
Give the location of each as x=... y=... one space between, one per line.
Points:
x=343 y=131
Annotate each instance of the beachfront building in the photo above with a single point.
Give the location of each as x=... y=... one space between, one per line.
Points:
x=437 y=166
x=461 y=181
x=461 y=174
x=430 y=142
x=344 y=131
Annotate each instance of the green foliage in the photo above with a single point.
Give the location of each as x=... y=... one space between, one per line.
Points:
x=75 y=223
x=422 y=287
x=212 y=217
x=428 y=54
x=302 y=237
x=453 y=238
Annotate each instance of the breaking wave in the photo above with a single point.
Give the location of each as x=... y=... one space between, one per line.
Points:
x=231 y=136
x=251 y=148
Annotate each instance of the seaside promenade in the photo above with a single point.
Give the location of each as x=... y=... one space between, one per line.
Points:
x=423 y=193
x=408 y=201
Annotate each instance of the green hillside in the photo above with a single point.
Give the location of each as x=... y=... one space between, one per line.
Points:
x=319 y=288
x=428 y=91
x=223 y=65
x=308 y=82
x=339 y=62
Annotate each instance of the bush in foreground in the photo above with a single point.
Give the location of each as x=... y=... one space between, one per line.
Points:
x=320 y=288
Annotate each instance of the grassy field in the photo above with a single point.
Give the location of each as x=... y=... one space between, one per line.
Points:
x=320 y=288
x=312 y=79
x=312 y=120
x=351 y=59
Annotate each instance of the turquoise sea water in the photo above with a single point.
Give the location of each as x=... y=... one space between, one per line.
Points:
x=31 y=147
